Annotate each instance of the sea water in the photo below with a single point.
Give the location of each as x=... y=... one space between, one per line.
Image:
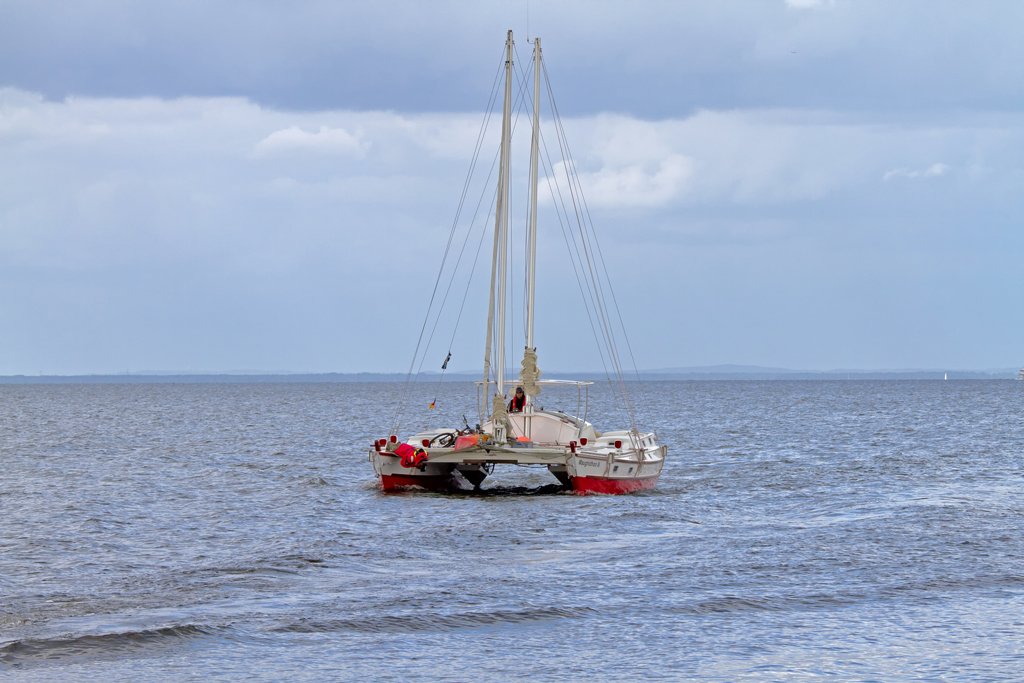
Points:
x=801 y=531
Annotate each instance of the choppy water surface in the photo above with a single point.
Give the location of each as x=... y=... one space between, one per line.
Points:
x=801 y=531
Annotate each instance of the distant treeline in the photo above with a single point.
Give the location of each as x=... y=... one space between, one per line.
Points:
x=328 y=377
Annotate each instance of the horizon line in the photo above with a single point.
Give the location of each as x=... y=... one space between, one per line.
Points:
x=682 y=373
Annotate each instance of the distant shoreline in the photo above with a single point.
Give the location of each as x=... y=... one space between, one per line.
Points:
x=336 y=377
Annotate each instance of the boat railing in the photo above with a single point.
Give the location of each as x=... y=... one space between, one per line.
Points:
x=582 y=394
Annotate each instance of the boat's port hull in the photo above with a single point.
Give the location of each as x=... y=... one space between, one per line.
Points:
x=405 y=482
x=430 y=476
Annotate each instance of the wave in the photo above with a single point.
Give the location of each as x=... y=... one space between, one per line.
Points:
x=60 y=650
x=924 y=592
x=419 y=622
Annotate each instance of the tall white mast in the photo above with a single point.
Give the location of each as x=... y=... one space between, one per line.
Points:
x=531 y=258
x=531 y=232
x=502 y=216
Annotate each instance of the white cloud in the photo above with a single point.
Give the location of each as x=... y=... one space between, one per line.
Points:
x=330 y=140
x=636 y=184
x=936 y=169
x=97 y=180
x=715 y=158
x=805 y=4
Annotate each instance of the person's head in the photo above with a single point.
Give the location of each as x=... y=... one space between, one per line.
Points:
x=519 y=391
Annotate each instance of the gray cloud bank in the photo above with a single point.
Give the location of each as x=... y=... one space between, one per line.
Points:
x=653 y=59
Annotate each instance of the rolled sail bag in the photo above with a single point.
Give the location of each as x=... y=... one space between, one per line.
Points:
x=411 y=457
x=407 y=453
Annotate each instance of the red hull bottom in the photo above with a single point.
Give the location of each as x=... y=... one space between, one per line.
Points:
x=400 y=482
x=585 y=485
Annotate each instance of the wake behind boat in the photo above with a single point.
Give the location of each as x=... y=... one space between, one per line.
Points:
x=518 y=431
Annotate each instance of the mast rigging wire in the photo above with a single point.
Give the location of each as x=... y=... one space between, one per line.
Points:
x=465 y=295
x=573 y=179
x=590 y=224
x=396 y=422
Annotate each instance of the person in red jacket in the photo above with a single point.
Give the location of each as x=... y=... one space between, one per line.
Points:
x=518 y=401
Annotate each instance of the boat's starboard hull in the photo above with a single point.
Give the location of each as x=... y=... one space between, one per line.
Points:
x=591 y=485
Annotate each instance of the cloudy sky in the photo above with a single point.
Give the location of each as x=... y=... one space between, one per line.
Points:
x=219 y=185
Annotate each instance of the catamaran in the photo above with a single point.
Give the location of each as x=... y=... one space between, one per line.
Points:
x=572 y=449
